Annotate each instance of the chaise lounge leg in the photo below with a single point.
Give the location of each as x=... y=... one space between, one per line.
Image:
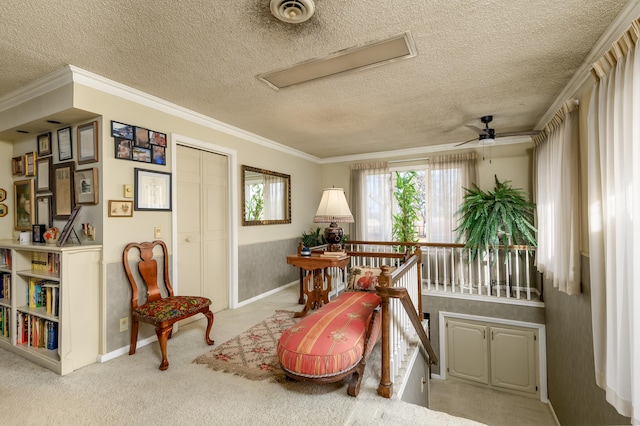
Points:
x=134 y=335
x=356 y=380
x=209 y=316
x=163 y=335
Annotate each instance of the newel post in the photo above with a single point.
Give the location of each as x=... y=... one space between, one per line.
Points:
x=385 y=388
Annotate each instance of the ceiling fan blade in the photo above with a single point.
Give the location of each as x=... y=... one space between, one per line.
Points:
x=470 y=140
x=525 y=133
x=477 y=130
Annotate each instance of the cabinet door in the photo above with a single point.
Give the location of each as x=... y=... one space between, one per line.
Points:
x=467 y=351
x=513 y=359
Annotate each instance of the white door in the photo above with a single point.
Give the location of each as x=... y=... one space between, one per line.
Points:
x=467 y=351
x=202 y=188
x=513 y=359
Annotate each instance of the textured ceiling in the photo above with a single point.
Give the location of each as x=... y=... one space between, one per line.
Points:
x=507 y=58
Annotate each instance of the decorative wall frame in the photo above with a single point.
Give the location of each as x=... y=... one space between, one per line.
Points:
x=121 y=130
x=3 y=210
x=68 y=227
x=3 y=194
x=44 y=210
x=141 y=137
x=30 y=164
x=120 y=208
x=43 y=176
x=44 y=144
x=24 y=205
x=63 y=198
x=65 y=146
x=17 y=166
x=37 y=233
x=86 y=184
x=152 y=190
x=123 y=148
x=87 y=142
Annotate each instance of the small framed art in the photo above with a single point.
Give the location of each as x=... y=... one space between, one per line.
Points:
x=24 y=204
x=157 y=138
x=87 y=143
x=44 y=211
x=142 y=155
x=3 y=194
x=123 y=148
x=65 y=149
x=68 y=227
x=30 y=164
x=152 y=190
x=44 y=144
x=3 y=210
x=141 y=137
x=119 y=208
x=63 y=199
x=37 y=233
x=158 y=155
x=86 y=183
x=17 y=166
x=121 y=130
x=43 y=176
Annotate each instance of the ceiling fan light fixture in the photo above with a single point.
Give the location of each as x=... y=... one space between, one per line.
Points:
x=292 y=11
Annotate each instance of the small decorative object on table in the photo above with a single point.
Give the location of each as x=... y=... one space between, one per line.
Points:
x=51 y=235
x=305 y=251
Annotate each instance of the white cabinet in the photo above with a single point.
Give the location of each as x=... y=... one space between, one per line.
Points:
x=50 y=306
x=498 y=356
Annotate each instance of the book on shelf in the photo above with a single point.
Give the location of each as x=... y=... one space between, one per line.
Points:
x=45 y=262
x=5 y=286
x=333 y=254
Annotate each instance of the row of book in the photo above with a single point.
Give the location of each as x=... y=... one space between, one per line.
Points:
x=37 y=332
x=5 y=258
x=5 y=286
x=5 y=321
x=45 y=262
x=44 y=293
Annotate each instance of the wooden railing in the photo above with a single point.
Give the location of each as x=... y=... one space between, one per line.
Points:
x=505 y=272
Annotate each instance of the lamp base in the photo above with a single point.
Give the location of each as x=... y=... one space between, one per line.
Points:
x=333 y=234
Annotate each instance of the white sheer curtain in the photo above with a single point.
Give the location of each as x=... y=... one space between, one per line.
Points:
x=371 y=202
x=447 y=176
x=557 y=202
x=614 y=222
x=274 y=196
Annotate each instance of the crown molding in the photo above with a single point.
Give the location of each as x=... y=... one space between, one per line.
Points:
x=36 y=88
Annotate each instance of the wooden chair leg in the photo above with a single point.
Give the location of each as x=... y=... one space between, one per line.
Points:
x=356 y=380
x=134 y=335
x=163 y=335
x=209 y=316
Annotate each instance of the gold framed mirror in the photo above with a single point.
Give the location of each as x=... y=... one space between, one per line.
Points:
x=266 y=197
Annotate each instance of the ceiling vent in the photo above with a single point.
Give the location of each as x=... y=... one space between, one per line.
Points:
x=356 y=58
x=292 y=11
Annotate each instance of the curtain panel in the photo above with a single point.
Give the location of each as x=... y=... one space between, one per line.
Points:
x=556 y=192
x=371 y=201
x=614 y=222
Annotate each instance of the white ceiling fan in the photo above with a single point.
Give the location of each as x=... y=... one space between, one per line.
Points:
x=487 y=136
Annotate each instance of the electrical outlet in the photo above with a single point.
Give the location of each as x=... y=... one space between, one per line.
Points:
x=124 y=324
x=157 y=232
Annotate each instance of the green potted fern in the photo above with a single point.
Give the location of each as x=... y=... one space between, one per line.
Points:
x=489 y=219
x=407 y=199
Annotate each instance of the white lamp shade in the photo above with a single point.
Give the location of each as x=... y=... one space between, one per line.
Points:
x=333 y=207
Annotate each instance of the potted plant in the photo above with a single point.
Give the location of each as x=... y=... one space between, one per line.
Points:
x=407 y=199
x=313 y=238
x=502 y=216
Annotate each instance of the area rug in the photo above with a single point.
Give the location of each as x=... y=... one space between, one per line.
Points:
x=252 y=354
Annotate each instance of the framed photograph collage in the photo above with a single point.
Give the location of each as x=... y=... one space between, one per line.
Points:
x=139 y=144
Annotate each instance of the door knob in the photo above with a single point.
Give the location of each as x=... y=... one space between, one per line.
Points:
x=188 y=239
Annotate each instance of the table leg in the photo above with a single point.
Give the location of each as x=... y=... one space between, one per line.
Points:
x=309 y=293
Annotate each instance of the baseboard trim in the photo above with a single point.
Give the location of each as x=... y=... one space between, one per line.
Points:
x=125 y=349
x=263 y=295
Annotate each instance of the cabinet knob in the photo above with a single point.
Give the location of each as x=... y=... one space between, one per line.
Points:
x=188 y=239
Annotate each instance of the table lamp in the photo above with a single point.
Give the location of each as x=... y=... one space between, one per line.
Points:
x=334 y=209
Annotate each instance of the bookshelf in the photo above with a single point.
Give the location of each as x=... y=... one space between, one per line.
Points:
x=49 y=303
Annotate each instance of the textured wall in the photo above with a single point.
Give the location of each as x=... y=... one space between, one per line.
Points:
x=263 y=267
x=433 y=305
x=573 y=393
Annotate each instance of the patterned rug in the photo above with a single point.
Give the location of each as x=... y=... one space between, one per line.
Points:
x=252 y=354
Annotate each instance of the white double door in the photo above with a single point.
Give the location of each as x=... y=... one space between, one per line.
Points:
x=202 y=235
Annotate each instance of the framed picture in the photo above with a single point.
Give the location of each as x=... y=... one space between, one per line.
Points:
x=3 y=194
x=43 y=177
x=157 y=138
x=121 y=130
x=65 y=149
x=3 y=210
x=158 y=155
x=86 y=183
x=68 y=227
x=37 y=233
x=63 y=199
x=30 y=164
x=152 y=190
x=119 y=208
x=44 y=211
x=141 y=137
x=123 y=148
x=87 y=141
x=44 y=144
x=24 y=204
x=141 y=154
x=17 y=166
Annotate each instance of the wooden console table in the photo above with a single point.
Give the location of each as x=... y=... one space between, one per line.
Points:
x=316 y=267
